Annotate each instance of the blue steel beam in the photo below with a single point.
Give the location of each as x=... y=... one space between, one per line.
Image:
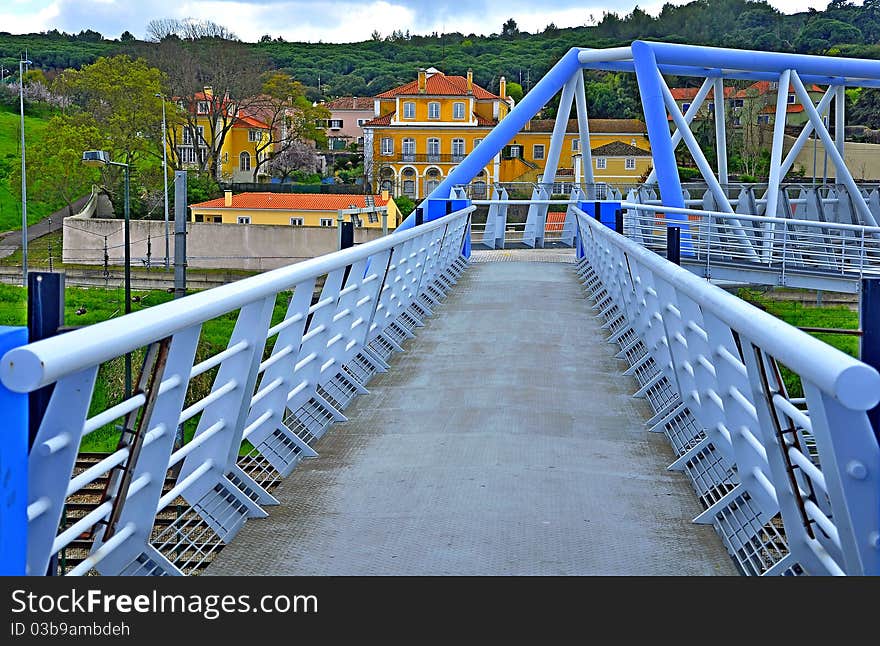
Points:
x=506 y=129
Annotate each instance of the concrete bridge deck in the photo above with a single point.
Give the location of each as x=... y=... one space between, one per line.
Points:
x=504 y=441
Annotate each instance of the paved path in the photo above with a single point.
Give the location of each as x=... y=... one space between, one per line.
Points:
x=10 y=242
x=503 y=441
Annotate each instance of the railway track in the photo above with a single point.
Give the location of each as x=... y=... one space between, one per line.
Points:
x=193 y=545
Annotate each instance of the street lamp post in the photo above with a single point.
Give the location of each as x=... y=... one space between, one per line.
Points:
x=24 y=262
x=165 y=173
x=98 y=158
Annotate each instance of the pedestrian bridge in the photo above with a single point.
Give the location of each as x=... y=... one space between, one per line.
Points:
x=415 y=406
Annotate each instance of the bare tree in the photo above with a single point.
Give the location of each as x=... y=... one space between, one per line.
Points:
x=229 y=68
x=187 y=29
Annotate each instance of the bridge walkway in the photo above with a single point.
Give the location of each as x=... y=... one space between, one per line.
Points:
x=504 y=441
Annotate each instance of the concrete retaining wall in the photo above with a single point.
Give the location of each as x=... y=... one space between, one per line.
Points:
x=254 y=247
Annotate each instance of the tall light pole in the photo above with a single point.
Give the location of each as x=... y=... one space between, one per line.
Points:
x=21 y=64
x=96 y=159
x=165 y=173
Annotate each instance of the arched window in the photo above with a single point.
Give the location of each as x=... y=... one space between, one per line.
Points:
x=244 y=162
x=409 y=182
x=432 y=180
x=386 y=180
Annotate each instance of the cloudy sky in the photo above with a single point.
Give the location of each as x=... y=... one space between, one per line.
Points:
x=329 y=21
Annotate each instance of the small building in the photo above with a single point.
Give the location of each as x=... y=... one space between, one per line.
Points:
x=296 y=209
x=348 y=114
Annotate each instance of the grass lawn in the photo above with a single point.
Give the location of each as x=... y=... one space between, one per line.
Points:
x=801 y=315
x=103 y=304
x=10 y=153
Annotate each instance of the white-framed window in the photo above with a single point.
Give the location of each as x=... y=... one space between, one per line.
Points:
x=684 y=107
x=434 y=110
x=736 y=103
x=409 y=149
x=362 y=122
x=711 y=106
x=187 y=155
x=736 y=121
x=601 y=163
x=575 y=144
x=244 y=219
x=244 y=161
x=477 y=142
x=387 y=146
x=433 y=149
x=188 y=135
x=538 y=151
x=202 y=107
x=457 y=149
x=763 y=119
x=792 y=98
x=630 y=163
x=515 y=151
x=409 y=187
x=326 y=222
x=254 y=136
x=296 y=222
x=458 y=110
x=409 y=110
x=336 y=123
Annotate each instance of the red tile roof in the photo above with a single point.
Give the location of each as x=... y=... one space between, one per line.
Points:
x=688 y=93
x=596 y=125
x=380 y=121
x=482 y=121
x=245 y=121
x=439 y=84
x=350 y=103
x=763 y=87
x=292 y=202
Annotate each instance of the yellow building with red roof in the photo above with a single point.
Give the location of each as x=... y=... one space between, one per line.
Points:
x=295 y=209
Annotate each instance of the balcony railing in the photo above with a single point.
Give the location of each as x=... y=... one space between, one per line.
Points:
x=429 y=158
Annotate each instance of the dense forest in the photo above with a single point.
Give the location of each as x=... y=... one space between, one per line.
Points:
x=522 y=53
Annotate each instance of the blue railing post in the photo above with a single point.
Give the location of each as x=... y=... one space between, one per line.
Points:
x=618 y=221
x=869 y=316
x=458 y=205
x=13 y=467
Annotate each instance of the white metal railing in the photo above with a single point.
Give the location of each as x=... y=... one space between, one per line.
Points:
x=782 y=246
x=790 y=482
x=166 y=508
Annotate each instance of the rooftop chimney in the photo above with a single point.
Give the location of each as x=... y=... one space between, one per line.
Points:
x=227 y=198
x=470 y=81
x=423 y=81
x=502 y=89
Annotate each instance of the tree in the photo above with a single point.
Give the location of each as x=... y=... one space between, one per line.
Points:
x=290 y=116
x=120 y=95
x=509 y=29
x=297 y=156
x=54 y=169
x=126 y=36
x=233 y=72
x=818 y=36
x=514 y=91
x=404 y=204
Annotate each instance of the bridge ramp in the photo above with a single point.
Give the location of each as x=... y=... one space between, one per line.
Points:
x=504 y=441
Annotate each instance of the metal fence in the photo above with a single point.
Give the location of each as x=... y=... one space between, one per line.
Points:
x=286 y=372
x=790 y=480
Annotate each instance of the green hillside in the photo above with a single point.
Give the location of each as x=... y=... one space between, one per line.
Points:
x=10 y=159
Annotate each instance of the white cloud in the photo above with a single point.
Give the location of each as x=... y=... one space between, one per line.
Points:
x=29 y=22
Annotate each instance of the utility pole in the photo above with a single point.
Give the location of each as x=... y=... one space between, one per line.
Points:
x=24 y=249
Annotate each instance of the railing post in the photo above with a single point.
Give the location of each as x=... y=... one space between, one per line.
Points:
x=870 y=345
x=45 y=317
x=673 y=244
x=618 y=221
x=13 y=467
x=597 y=210
x=346 y=233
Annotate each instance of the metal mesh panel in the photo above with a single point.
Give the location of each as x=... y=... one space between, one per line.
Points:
x=711 y=475
x=309 y=421
x=661 y=394
x=683 y=432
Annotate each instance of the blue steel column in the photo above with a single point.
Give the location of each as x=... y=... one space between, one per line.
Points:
x=869 y=315
x=506 y=129
x=13 y=466
x=658 y=127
